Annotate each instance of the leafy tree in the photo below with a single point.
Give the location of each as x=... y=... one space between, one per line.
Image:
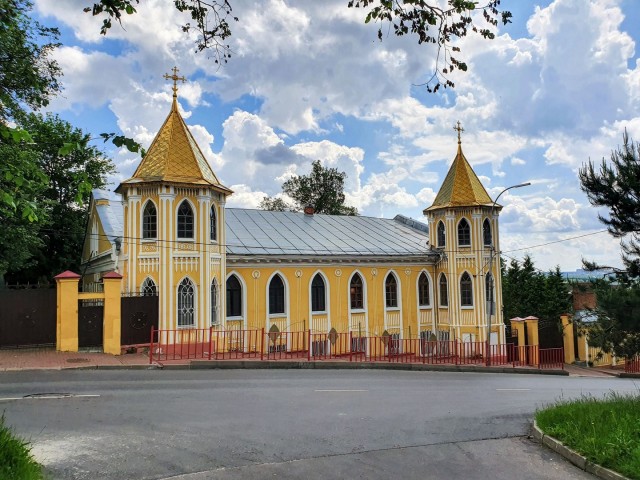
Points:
x=70 y=178
x=275 y=204
x=322 y=189
x=431 y=21
x=616 y=186
x=528 y=291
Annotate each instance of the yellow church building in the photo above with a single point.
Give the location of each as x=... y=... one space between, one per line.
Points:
x=168 y=232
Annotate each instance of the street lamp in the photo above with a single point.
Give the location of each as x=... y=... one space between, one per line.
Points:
x=490 y=270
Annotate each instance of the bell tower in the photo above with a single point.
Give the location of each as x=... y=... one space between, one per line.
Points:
x=463 y=225
x=174 y=227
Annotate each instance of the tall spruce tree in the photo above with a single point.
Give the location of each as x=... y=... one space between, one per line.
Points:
x=615 y=185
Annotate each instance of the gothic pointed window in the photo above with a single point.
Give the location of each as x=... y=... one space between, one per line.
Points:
x=486 y=233
x=318 y=295
x=185 y=220
x=276 y=296
x=444 y=293
x=148 y=288
x=440 y=234
x=186 y=304
x=391 y=291
x=214 y=303
x=464 y=233
x=356 y=292
x=466 y=290
x=234 y=297
x=423 y=290
x=149 y=221
x=214 y=224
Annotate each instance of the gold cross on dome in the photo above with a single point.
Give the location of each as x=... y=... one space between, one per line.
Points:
x=175 y=79
x=459 y=129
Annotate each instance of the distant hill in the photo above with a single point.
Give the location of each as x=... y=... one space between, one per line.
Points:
x=584 y=275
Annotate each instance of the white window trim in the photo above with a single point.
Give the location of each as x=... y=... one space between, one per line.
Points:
x=195 y=305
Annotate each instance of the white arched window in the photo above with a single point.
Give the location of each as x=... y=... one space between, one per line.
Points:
x=442 y=239
x=149 y=221
x=356 y=292
x=186 y=303
x=234 y=297
x=424 y=299
x=444 y=290
x=148 y=288
x=318 y=294
x=276 y=296
x=466 y=290
x=214 y=303
x=391 y=291
x=487 y=237
x=464 y=233
x=185 y=220
x=213 y=220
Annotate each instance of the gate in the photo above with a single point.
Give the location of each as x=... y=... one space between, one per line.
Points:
x=27 y=317
x=139 y=313
x=90 y=323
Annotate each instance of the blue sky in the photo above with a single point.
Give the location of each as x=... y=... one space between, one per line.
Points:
x=309 y=80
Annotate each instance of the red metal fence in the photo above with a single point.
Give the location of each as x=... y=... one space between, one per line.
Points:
x=211 y=344
x=632 y=365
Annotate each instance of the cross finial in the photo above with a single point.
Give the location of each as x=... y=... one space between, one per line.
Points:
x=175 y=79
x=459 y=129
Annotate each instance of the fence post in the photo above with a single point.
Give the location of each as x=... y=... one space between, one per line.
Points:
x=309 y=349
x=67 y=311
x=112 y=322
x=210 y=341
x=262 y=344
x=350 y=346
x=151 y=346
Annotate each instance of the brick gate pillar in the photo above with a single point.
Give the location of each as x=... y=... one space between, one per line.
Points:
x=531 y=323
x=568 y=339
x=67 y=311
x=112 y=320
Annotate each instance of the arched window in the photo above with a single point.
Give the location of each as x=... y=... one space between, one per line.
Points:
x=391 y=291
x=213 y=220
x=186 y=304
x=356 y=292
x=149 y=221
x=442 y=239
x=486 y=233
x=423 y=290
x=148 y=288
x=234 y=297
x=444 y=293
x=318 y=296
x=489 y=293
x=466 y=290
x=464 y=233
x=214 y=302
x=276 y=296
x=185 y=220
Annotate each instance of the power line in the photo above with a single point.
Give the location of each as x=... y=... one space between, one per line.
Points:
x=555 y=241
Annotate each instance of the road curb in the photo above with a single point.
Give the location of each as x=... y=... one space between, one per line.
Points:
x=279 y=364
x=629 y=375
x=573 y=456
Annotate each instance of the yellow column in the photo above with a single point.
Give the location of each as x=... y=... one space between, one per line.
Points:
x=112 y=318
x=67 y=311
x=531 y=323
x=517 y=325
x=568 y=339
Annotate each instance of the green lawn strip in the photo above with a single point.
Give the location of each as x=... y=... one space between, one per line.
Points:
x=605 y=431
x=16 y=462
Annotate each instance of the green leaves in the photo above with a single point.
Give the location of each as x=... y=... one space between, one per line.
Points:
x=122 y=141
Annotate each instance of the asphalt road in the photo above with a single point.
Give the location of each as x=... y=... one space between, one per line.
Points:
x=219 y=424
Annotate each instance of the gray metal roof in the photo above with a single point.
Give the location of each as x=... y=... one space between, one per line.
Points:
x=110 y=215
x=260 y=232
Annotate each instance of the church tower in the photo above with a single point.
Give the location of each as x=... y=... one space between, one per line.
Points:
x=174 y=227
x=463 y=225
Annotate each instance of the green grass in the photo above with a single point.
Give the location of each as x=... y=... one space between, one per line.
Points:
x=606 y=431
x=16 y=462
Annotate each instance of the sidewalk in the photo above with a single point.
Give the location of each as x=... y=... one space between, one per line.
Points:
x=49 y=359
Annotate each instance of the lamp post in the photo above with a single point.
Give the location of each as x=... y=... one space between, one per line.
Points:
x=490 y=270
